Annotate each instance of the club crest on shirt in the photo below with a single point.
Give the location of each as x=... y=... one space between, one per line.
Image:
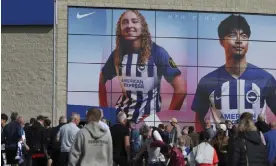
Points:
x=142 y=68
x=172 y=63
x=252 y=96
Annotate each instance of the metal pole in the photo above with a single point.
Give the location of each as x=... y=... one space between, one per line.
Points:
x=54 y=113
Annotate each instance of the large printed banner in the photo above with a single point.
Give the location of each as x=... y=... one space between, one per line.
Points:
x=158 y=65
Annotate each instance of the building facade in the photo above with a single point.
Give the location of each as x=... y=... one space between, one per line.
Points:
x=35 y=57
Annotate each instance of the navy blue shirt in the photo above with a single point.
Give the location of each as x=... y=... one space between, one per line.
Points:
x=228 y=97
x=12 y=133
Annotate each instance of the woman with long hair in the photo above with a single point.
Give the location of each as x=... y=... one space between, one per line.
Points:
x=220 y=143
x=248 y=148
x=139 y=64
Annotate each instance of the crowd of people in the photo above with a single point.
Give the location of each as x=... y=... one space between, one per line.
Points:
x=98 y=144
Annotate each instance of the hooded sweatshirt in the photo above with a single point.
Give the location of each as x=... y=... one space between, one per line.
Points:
x=92 y=146
x=248 y=149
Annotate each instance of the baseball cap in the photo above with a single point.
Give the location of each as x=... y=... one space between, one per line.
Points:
x=174 y=120
x=223 y=127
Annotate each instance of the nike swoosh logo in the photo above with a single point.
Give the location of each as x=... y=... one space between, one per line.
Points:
x=217 y=98
x=79 y=16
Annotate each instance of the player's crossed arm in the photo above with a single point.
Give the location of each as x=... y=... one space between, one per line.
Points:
x=271 y=95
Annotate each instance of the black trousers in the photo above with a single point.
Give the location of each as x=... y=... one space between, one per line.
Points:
x=55 y=156
x=64 y=158
x=10 y=155
x=121 y=161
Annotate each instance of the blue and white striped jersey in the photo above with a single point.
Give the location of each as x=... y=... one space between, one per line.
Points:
x=229 y=97
x=140 y=83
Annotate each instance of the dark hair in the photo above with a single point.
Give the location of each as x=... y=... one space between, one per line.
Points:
x=47 y=122
x=204 y=136
x=161 y=126
x=14 y=116
x=129 y=122
x=4 y=117
x=27 y=124
x=233 y=22
x=40 y=117
x=191 y=129
x=32 y=120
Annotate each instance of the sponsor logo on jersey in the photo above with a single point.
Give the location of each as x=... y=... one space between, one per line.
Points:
x=133 y=83
x=234 y=117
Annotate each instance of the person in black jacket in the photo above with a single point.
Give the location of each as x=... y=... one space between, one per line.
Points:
x=4 y=119
x=55 y=145
x=36 y=141
x=247 y=148
x=12 y=134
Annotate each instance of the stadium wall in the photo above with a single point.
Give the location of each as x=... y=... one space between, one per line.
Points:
x=27 y=82
x=27 y=58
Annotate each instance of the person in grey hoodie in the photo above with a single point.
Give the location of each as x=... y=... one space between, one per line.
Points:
x=93 y=143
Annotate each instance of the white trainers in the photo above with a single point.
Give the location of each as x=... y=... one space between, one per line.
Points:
x=17 y=157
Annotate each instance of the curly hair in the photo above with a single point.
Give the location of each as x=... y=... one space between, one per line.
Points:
x=145 y=41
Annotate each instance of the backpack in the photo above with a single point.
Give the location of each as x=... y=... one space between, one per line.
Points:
x=159 y=131
x=177 y=157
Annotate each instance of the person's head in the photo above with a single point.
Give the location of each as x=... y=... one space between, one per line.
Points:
x=261 y=118
x=20 y=120
x=168 y=128
x=273 y=125
x=122 y=118
x=234 y=33
x=94 y=115
x=40 y=119
x=161 y=126
x=62 y=120
x=229 y=124
x=145 y=131
x=191 y=129
x=221 y=131
x=173 y=122
x=27 y=125
x=131 y=124
x=14 y=116
x=185 y=130
x=207 y=123
x=246 y=123
x=132 y=29
x=32 y=120
x=47 y=122
x=217 y=125
x=204 y=136
x=4 y=119
x=75 y=118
